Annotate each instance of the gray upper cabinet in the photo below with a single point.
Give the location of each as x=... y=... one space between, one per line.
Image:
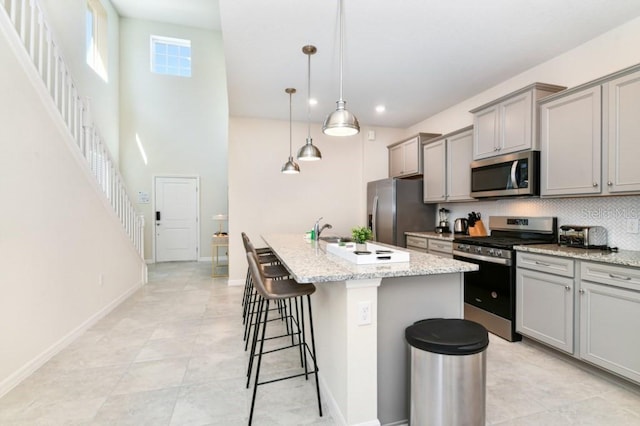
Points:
x=447 y=174
x=589 y=138
x=405 y=159
x=508 y=124
x=624 y=134
x=570 y=139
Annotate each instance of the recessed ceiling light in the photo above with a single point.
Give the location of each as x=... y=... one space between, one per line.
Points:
x=381 y=108
x=313 y=101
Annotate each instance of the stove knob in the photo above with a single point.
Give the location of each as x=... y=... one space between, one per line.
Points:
x=478 y=249
x=492 y=252
x=498 y=253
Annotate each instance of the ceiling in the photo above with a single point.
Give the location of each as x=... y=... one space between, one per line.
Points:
x=416 y=57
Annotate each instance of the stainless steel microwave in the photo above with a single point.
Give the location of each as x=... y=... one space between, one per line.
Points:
x=510 y=175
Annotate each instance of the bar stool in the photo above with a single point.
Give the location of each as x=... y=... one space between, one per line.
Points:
x=266 y=257
x=280 y=290
x=270 y=271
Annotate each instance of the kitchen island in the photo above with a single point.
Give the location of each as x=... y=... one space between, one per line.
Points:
x=360 y=313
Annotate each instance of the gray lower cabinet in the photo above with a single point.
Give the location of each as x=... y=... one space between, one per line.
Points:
x=435 y=246
x=417 y=243
x=545 y=299
x=441 y=248
x=609 y=318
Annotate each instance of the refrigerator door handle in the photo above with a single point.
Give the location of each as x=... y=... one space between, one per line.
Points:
x=374 y=220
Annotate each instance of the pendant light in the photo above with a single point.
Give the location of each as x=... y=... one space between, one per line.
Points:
x=290 y=167
x=309 y=152
x=341 y=122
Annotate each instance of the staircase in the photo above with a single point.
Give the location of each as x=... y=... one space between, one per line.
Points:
x=34 y=35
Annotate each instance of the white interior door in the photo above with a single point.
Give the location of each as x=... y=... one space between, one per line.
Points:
x=176 y=220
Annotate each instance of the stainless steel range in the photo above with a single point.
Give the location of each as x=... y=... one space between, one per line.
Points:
x=490 y=292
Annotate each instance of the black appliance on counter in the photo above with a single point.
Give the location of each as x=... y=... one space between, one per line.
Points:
x=490 y=292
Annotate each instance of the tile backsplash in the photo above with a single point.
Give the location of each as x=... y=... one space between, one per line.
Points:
x=610 y=212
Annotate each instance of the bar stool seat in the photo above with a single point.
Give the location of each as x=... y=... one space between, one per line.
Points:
x=290 y=290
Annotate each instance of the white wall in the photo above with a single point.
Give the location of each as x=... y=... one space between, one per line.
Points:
x=603 y=55
x=66 y=20
x=262 y=200
x=181 y=122
x=65 y=258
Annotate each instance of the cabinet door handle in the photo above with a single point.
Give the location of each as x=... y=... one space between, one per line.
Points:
x=595 y=184
x=581 y=291
x=566 y=287
x=619 y=277
x=542 y=263
x=610 y=183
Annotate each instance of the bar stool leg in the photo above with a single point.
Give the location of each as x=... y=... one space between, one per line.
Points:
x=313 y=350
x=254 y=340
x=255 y=385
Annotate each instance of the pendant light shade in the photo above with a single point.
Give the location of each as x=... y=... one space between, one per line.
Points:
x=290 y=167
x=341 y=122
x=309 y=152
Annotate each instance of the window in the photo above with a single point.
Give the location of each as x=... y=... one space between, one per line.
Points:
x=171 y=56
x=96 y=37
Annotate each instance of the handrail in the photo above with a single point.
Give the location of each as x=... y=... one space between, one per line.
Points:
x=34 y=33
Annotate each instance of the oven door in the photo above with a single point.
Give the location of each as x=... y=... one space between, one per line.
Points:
x=491 y=288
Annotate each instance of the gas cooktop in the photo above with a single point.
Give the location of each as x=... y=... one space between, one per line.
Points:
x=508 y=231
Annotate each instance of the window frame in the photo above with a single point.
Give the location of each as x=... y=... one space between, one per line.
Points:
x=176 y=70
x=96 y=38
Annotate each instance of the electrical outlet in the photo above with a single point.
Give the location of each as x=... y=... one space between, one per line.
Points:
x=632 y=226
x=364 y=313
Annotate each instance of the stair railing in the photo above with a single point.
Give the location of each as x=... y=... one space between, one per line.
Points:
x=27 y=19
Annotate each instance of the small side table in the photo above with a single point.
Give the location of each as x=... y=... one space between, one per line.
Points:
x=219 y=269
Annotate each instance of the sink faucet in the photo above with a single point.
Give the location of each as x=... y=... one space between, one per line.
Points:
x=317 y=230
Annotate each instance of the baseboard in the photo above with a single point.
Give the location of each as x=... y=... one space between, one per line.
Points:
x=236 y=283
x=30 y=367
x=334 y=409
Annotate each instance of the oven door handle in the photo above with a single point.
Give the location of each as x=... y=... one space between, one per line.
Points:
x=498 y=260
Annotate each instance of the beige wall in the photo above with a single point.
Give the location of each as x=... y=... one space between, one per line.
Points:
x=65 y=257
x=262 y=200
x=181 y=122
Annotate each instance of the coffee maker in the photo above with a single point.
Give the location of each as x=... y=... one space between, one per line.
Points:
x=443 y=222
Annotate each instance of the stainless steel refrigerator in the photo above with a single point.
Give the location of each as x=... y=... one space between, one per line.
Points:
x=395 y=206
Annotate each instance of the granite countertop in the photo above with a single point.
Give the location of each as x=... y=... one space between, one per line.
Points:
x=431 y=234
x=622 y=257
x=308 y=261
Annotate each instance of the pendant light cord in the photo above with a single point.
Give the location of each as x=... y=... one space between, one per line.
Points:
x=341 y=45
x=309 y=96
x=290 y=131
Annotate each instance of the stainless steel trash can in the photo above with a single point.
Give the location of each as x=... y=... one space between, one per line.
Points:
x=448 y=372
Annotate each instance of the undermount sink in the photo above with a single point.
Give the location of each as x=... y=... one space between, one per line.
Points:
x=334 y=239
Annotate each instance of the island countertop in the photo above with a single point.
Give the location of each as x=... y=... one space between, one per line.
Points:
x=309 y=262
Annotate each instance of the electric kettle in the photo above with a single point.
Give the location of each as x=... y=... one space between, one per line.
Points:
x=461 y=226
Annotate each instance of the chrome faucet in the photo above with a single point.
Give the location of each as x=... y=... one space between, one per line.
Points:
x=317 y=230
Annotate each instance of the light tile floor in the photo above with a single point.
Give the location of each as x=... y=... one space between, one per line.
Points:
x=172 y=355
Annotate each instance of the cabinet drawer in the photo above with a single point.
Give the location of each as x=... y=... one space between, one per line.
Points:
x=618 y=276
x=441 y=246
x=549 y=264
x=416 y=242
